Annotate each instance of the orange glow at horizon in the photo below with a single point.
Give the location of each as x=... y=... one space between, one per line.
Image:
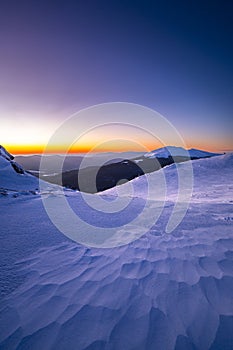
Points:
x=94 y=148
x=30 y=137
x=104 y=139
x=59 y=149
x=113 y=139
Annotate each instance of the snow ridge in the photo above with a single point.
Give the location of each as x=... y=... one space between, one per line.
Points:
x=5 y=154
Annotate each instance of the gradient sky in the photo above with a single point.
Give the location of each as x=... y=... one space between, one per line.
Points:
x=60 y=56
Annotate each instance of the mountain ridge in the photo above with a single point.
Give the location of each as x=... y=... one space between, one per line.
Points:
x=165 y=152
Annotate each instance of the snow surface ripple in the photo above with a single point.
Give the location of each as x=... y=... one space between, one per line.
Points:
x=160 y=292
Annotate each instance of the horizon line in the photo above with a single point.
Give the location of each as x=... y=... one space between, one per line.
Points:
x=39 y=150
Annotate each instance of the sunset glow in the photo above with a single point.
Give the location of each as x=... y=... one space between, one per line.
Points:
x=25 y=149
x=50 y=71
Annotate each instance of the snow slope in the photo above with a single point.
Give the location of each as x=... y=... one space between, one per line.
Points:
x=162 y=291
x=5 y=154
x=212 y=181
x=165 y=152
x=14 y=180
x=201 y=154
x=12 y=176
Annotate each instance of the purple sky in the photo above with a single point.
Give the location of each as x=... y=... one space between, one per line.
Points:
x=173 y=56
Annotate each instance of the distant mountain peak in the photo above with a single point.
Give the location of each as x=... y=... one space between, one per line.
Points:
x=170 y=151
x=167 y=151
x=198 y=153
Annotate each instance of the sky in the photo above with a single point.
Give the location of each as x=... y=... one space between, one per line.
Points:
x=58 y=57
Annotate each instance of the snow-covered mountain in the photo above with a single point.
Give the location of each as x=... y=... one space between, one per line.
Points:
x=5 y=154
x=14 y=180
x=173 y=151
x=162 y=291
x=197 y=153
x=12 y=175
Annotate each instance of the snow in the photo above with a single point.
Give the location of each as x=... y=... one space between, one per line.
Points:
x=5 y=154
x=11 y=179
x=14 y=180
x=173 y=151
x=213 y=181
x=165 y=152
x=201 y=154
x=162 y=291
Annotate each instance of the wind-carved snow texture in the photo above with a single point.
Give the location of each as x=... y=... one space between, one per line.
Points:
x=160 y=292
